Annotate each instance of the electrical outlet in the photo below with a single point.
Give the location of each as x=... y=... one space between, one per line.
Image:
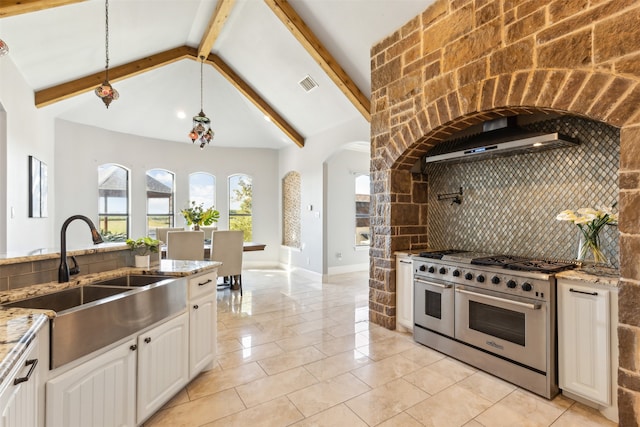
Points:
x=339 y=256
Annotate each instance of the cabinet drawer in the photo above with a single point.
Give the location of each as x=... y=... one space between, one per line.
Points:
x=203 y=284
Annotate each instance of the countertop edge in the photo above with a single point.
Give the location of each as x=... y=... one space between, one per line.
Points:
x=17 y=341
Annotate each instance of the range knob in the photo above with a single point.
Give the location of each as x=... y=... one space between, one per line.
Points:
x=432 y=269
x=495 y=280
x=422 y=268
x=511 y=284
x=456 y=273
x=526 y=287
x=468 y=276
x=480 y=278
x=442 y=270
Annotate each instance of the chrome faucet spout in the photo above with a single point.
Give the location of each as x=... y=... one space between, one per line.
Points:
x=63 y=271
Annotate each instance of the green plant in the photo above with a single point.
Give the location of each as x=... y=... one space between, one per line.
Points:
x=198 y=215
x=144 y=245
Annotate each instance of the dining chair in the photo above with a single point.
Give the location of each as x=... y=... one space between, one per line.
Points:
x=161 y=233
x=185 y=245
x=227 y=247
x=207 y=232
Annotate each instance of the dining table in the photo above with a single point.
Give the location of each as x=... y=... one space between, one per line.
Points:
x=246 y=247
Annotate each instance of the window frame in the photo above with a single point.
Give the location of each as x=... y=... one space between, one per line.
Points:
x=103 y=201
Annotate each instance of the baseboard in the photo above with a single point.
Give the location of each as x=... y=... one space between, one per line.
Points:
x=348 y=269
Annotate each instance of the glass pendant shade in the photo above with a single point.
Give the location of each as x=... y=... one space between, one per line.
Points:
x=107 y=93
x=4 y=49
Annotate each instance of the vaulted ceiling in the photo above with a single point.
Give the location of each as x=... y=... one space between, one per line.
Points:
x=256 y=53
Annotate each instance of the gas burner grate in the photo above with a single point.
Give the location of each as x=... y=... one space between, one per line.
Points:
x=438 y=254
x=541 y=266
x=497 y=260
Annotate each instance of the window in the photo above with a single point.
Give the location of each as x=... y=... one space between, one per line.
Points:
x=362 y=210
x=240 y=201
x=291 y=210
x=202 y=189
x=160 y=185
x=113 y=202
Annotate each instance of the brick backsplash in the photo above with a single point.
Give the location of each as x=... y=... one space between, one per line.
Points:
x=509 y=204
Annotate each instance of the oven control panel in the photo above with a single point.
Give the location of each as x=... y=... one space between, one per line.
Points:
x=526 y=284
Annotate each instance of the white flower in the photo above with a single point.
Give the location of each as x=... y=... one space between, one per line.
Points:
x=567 y=215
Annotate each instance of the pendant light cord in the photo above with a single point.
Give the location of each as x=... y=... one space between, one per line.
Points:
x=201 y=83
x=106 y=38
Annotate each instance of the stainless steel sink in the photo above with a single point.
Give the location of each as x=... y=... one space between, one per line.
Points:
x=91 y=317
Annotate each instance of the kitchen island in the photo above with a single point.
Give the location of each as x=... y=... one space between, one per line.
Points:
x=24 y=331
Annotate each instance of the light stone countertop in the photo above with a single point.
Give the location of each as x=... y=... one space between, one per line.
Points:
x=19 y=326
x=596 y=275
x=17 y=257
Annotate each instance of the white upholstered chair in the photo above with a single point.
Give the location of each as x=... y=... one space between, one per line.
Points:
x=161 y=233
x=185 y=245
x=207 y=232
x=226 y=247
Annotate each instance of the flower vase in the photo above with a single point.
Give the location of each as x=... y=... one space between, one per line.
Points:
x=142 y=261
x=196 y=227
x=589 y=250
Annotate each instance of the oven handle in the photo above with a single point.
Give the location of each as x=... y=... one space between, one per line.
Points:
x=424 y=282
x=504 y=300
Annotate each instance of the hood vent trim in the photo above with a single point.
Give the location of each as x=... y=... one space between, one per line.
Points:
x=501 y=137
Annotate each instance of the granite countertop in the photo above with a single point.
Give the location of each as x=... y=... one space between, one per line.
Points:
x=596 y=275
x=51 y=253
x=19 y=326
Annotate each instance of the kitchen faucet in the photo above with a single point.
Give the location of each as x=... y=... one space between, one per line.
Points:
x=63 y=271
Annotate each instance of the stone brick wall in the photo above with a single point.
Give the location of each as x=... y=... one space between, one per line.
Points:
x=462 y=62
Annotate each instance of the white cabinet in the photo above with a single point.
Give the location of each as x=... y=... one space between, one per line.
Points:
x=584 y=340
x=163 y=368
x=100 y=392
x=404 y=291
x=19 y=393
x=103 y=391
x=202 y=322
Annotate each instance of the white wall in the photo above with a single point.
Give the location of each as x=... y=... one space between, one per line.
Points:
x=308 y=161
x=81 y=149
x=341 y=169
x=28 y=131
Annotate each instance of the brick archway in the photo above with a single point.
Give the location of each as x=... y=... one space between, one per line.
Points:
x=463 y=62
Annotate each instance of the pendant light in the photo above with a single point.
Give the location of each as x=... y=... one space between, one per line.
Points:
x=4 y=49
x=105 y=91
x=201 y=131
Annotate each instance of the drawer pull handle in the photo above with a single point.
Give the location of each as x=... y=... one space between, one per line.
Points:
x=147 y=340
x=575 y=291
x=133 y=347
x=33 y=363
x=406 y=262
x=205 y=283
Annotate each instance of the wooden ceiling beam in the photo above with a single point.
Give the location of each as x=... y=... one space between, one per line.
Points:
x=18 y=7
x=72 y=88
x=321 y=55
x=216 y=22
x=255 y=98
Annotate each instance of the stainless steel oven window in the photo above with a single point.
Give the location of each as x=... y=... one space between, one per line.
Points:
x=498 y=322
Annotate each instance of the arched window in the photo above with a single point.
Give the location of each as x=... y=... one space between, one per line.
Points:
x=160 y=185
x=240 y=205
x=291 y=184
x=113 y=202
x=363 y=197
x=202 y=188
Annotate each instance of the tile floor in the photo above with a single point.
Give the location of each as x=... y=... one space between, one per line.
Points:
x=297 y=352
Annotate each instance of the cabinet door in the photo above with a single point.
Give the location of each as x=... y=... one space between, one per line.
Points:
x=163 y=367
x=100 y=392
x=202 y=334
x=404 y=291
x=19 y=402
x=584 y=341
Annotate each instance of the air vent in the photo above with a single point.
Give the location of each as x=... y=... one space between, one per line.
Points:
x=308 y=84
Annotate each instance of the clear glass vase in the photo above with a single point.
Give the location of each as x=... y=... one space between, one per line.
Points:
x=589 y=249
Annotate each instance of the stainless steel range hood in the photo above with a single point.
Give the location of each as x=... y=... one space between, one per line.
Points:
x=501 y=137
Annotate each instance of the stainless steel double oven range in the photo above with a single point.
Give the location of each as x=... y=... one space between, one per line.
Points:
x=494 y=312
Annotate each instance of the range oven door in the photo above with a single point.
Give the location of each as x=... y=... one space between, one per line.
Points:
x=433 y=305
x=507 y=325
